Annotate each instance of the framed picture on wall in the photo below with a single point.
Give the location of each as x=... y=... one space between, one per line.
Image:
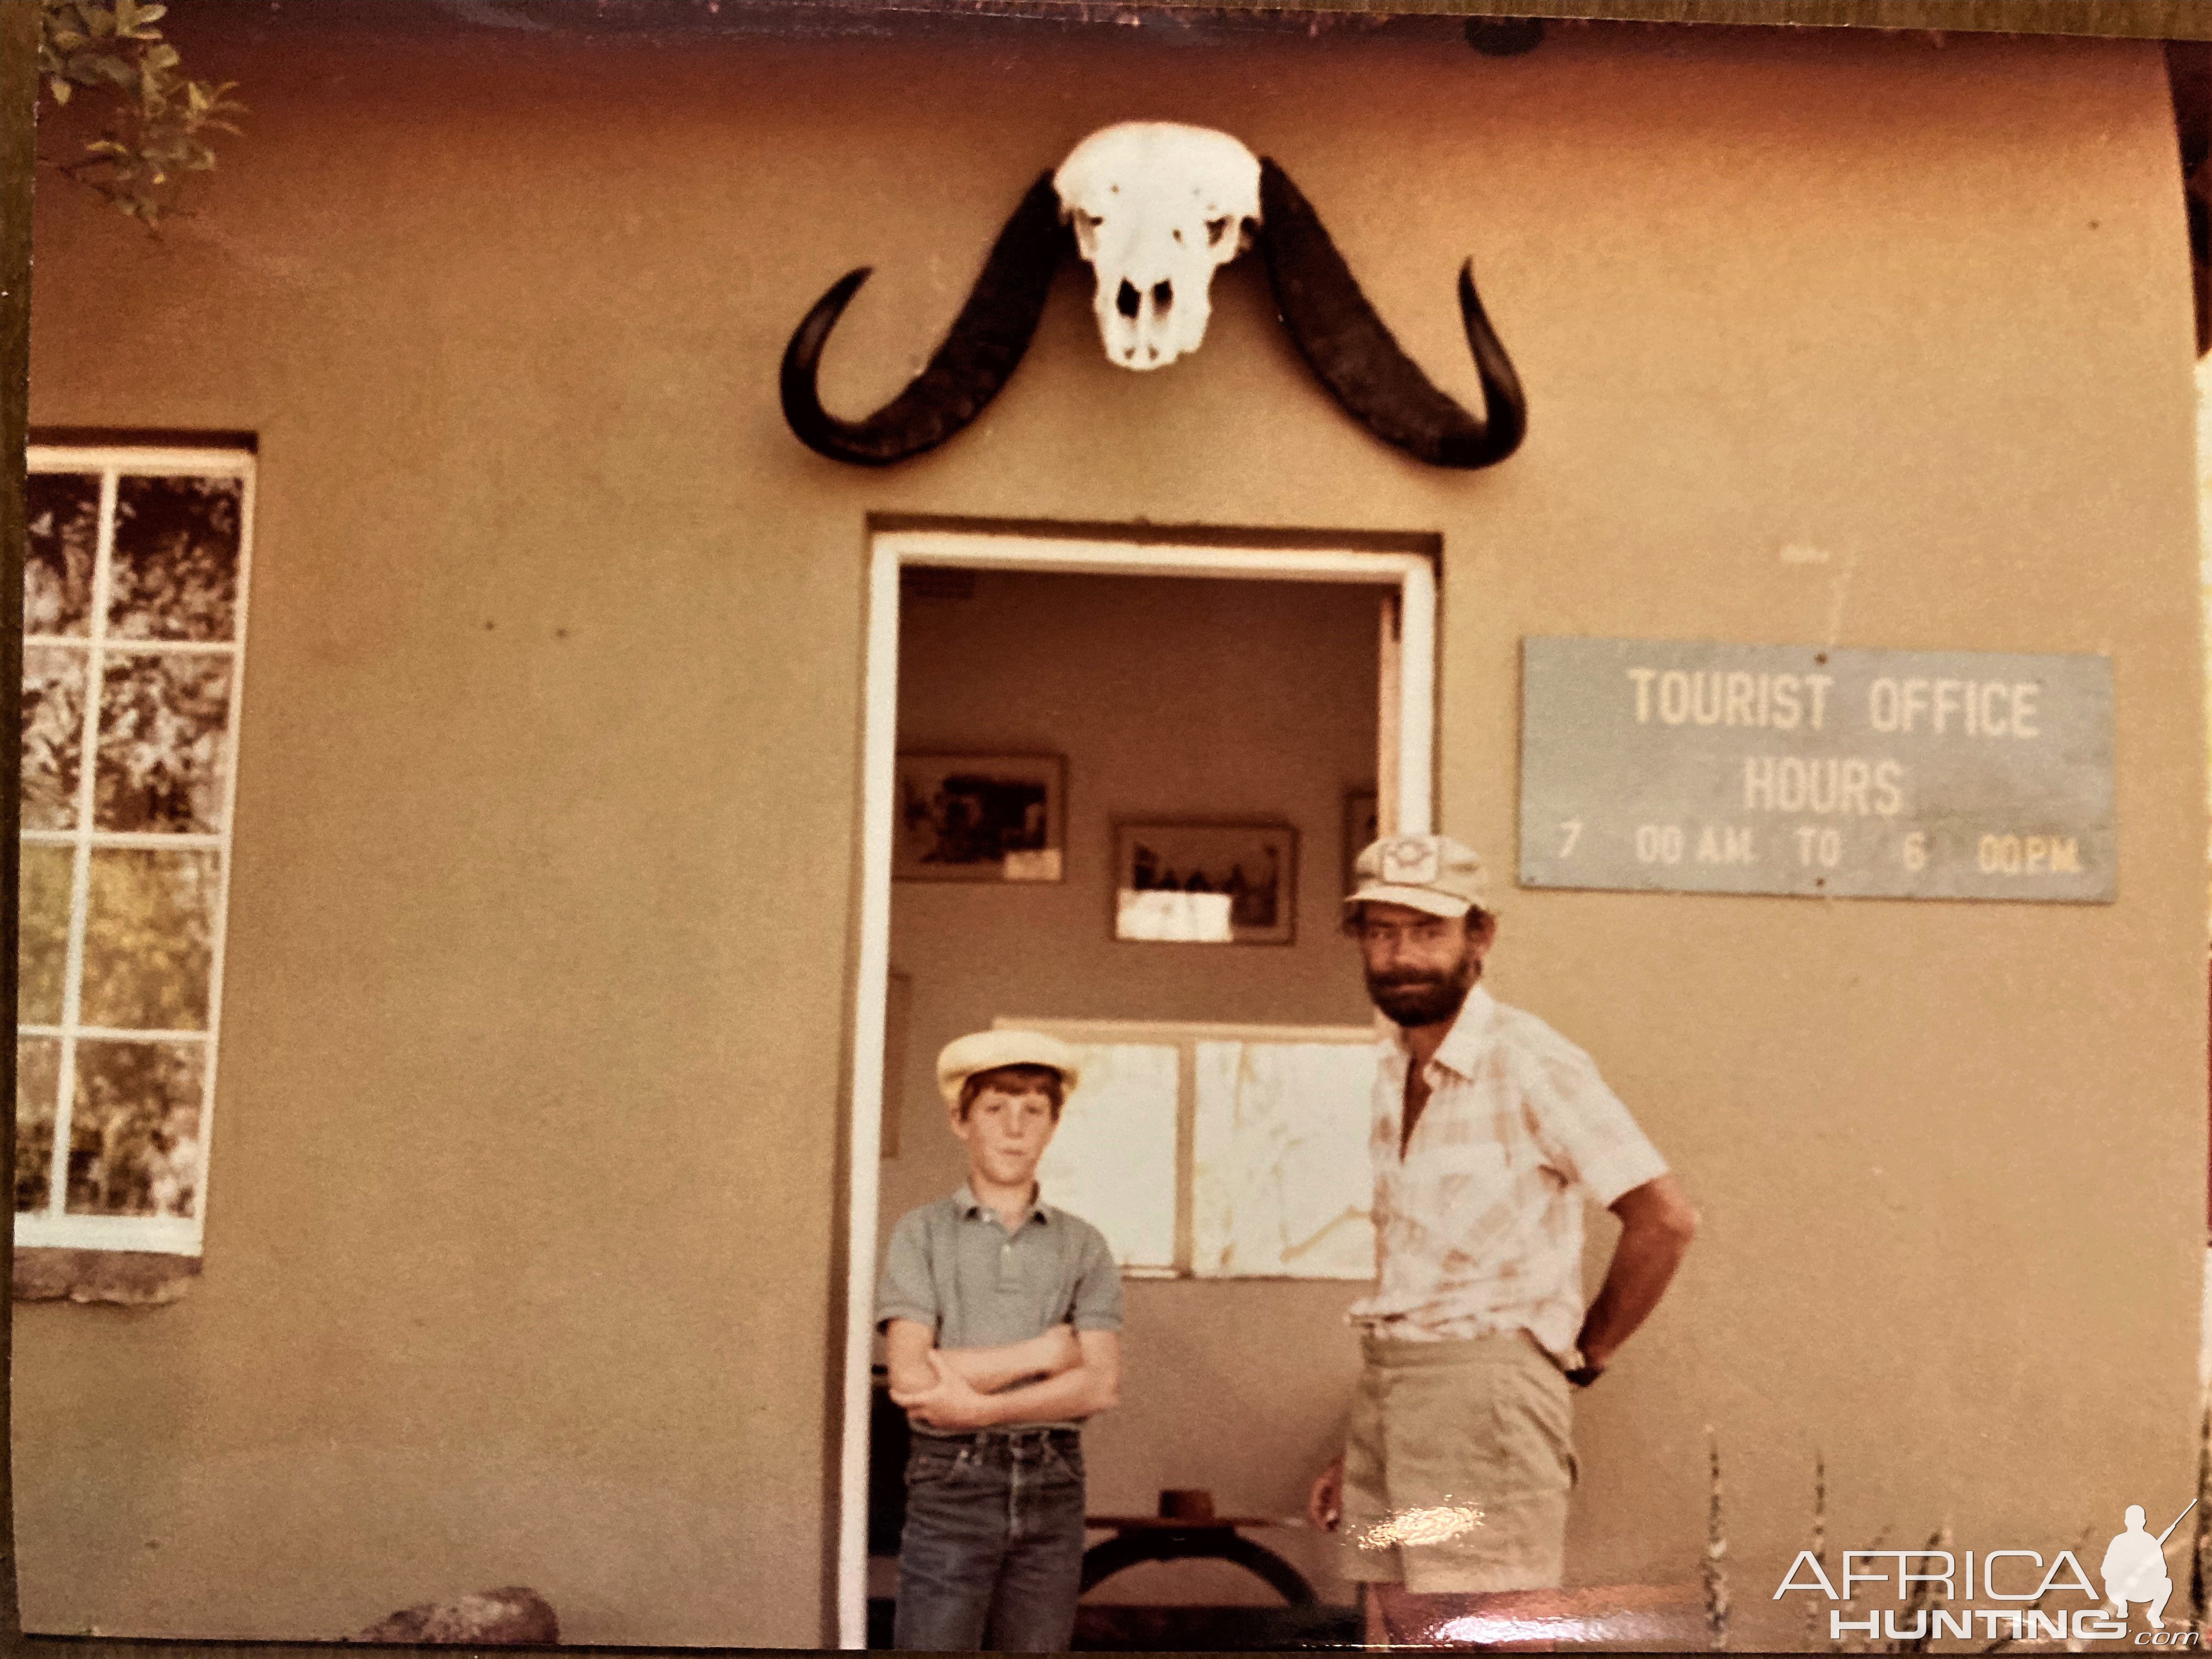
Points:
x=1362 y=828
x=979 y=818
x=1205 y=884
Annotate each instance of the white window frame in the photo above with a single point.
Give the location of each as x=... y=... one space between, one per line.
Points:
x=1405 y=769
x=55 y=1227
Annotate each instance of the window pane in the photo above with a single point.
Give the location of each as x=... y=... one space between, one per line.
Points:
x=42 y=935
x=37 y=1085
x=133 y=1129
x=63 y=511
x=1280 y=1178
x=175 y=574
x=149 y=921
x=53 y=735
x=1113 y=1159
x=164 y=718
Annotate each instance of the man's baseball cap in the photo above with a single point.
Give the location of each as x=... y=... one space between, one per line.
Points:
x=987 y=1051
x=1433 y=873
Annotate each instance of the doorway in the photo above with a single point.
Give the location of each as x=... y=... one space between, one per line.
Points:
x=915 y=573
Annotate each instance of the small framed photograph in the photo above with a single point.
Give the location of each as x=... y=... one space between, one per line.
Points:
x=1363 y=827
x=1205 y=884
x=980 y=817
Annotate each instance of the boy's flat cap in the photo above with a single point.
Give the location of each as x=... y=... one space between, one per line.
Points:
x=986 y=1051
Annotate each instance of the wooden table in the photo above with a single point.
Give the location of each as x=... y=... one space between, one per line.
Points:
x=1187 y=1528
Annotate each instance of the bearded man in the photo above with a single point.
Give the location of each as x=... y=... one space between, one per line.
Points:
x=1489 y=1132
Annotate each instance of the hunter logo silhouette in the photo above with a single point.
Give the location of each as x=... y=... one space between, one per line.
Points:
x=2135 y=1567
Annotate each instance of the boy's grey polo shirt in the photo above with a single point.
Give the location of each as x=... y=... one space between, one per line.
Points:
x=953 y=1267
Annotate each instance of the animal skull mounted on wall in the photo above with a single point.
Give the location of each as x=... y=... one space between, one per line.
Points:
x=1157 y=209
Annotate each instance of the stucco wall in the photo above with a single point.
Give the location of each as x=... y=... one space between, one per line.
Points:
x=522 y=1236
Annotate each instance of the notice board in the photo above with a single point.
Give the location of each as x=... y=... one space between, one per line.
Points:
x=1690 y=766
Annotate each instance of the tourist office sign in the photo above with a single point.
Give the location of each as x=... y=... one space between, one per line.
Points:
x=1684 y=766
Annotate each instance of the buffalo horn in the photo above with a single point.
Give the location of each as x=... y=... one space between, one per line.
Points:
x=982 y=349
x=1359 y=361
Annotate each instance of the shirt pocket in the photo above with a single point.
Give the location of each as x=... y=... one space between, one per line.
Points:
x=1472 y=1166
x=1470 y=1196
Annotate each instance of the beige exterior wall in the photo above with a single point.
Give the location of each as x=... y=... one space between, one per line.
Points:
x=523 y=1237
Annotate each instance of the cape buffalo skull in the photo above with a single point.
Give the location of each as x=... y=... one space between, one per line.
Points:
x=1157 y=209
x=1152 y=206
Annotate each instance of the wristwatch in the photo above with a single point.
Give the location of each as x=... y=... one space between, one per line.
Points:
x=1580 y=1371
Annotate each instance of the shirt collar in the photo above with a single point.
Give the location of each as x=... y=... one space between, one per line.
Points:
x=969 y=1204
x=1462 y=1044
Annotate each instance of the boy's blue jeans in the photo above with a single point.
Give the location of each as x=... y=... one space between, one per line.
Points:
x=992 y=1556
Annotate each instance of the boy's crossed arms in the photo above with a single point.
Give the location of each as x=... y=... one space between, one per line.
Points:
x=1060 y=1373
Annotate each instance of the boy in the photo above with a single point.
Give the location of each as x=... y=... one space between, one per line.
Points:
x=1002 y=1318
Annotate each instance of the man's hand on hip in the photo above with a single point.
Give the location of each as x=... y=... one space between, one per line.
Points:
x=1656 y=1226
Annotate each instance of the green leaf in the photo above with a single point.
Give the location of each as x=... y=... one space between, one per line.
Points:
x=159 y=122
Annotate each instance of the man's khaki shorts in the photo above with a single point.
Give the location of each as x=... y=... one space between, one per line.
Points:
x=1456 y=1466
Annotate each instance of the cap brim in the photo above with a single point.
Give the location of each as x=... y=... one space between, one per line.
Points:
x=1414 y=898
x=950 y=1087
x=997 y=1048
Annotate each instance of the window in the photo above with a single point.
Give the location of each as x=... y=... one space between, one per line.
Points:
x=134 y=620
x=1216 y=1151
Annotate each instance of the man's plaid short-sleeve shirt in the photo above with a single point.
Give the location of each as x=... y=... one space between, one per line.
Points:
x=1479 y=1228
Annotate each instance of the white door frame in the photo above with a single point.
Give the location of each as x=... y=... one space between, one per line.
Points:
x=1411 y=720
